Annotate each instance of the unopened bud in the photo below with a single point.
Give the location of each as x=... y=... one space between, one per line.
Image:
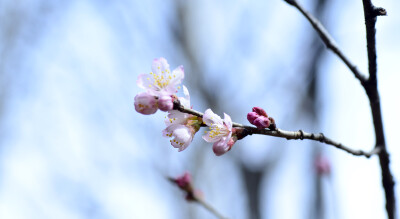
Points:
x=261 y=122
x=145 y=103
x=184 y=181
x=260 y=111
x=165 y=103
x=251 y=116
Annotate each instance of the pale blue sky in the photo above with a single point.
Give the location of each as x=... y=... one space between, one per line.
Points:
x=72 y=145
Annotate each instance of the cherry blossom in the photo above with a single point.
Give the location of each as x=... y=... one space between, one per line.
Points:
x=182 y=126
x=220 y=132
x=161 y=83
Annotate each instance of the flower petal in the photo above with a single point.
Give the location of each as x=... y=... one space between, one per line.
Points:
x=145 y=81
x=185 y=101
x=210 y=118
x=228 y=121
x=221 y=147
x=176 y=117
x=159 y=65
x=167 y=132
x=176 y=78
x=208 y=138
x=183 y=136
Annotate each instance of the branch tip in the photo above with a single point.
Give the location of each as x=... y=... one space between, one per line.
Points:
x=378 y=11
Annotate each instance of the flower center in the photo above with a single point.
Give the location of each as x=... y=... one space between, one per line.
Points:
x=161 y=81
x=216 y=131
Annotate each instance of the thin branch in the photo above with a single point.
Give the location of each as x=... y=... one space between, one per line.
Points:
x=371 y=87
x=328 y=40
x=209 y=207
x=370 y=14
x=289 y=135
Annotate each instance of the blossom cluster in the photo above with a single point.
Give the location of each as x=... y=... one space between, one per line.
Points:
x=160 y=88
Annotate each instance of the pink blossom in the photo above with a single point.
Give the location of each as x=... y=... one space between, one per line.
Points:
x=145 y=103
x=220 y=132
x=161 y=84
x=181 y=126
x=161 y=81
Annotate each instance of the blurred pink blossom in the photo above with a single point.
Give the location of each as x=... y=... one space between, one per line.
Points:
x=322 y=165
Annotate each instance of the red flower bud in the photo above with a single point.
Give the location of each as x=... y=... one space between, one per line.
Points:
x=261 y=122
x=251 y=116
x=260 y=111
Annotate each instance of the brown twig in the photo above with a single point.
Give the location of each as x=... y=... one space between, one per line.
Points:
x=371 y=87
x=289 y=135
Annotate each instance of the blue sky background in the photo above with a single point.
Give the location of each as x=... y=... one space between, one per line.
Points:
x=72 y=145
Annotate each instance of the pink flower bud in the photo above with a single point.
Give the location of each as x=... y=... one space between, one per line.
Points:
x=145 y=103
x=184 y=181
x=261 y=122
x=251 y=116
x=260 y=111
x=165 y=103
